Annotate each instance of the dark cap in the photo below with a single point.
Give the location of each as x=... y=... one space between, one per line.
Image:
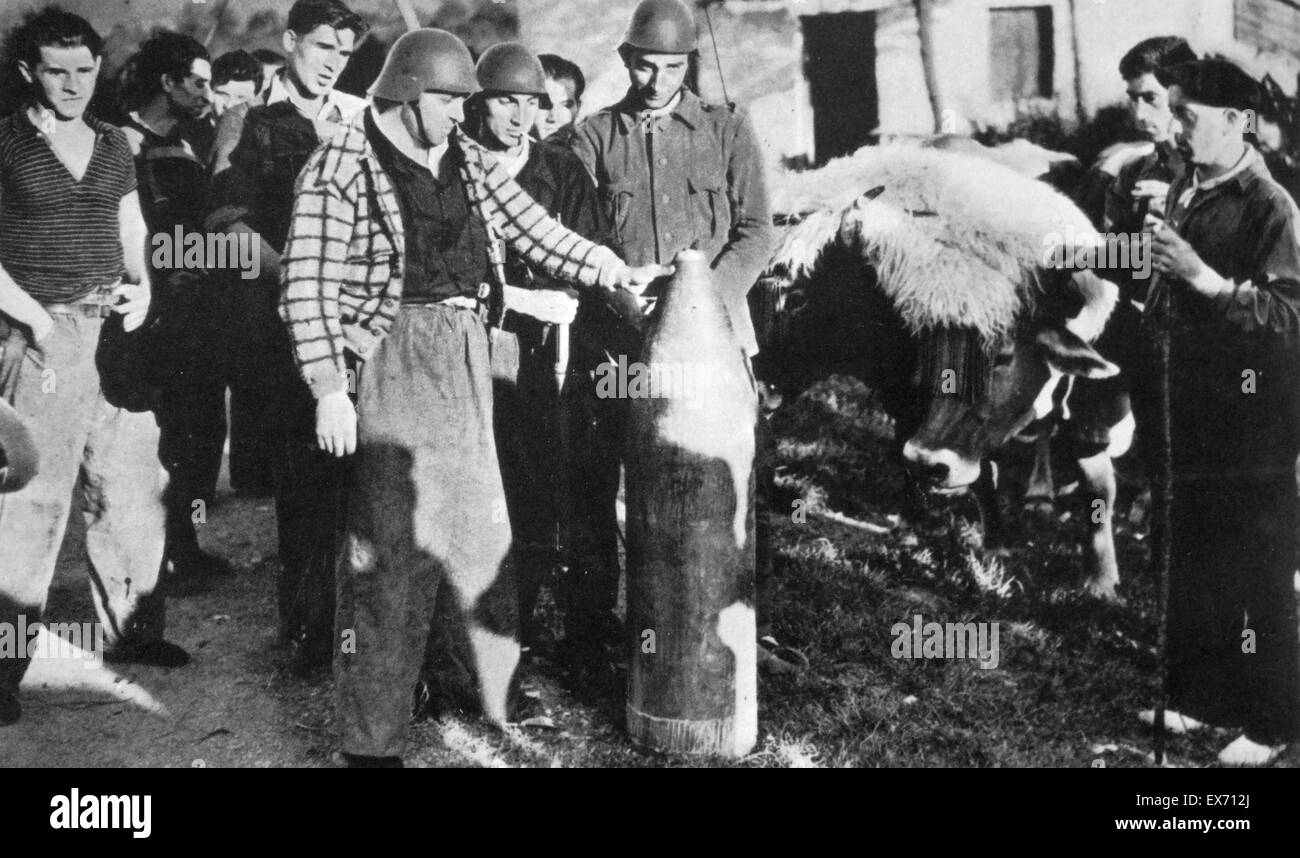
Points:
x=1212 y=82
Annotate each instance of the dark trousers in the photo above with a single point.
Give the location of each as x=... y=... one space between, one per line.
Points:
x=310 y=502
x=531 y=451
x=1234 y=554
x=192 y=355
x=595 y=429
x=192 y=426
x=273 y=444
x=256 y=333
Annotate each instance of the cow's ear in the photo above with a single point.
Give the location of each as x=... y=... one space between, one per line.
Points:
x=1068 y=353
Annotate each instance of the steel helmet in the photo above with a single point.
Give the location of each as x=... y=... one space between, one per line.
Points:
x=661 y=27
x=510 y=67
x=18 y=458
x=425 y=60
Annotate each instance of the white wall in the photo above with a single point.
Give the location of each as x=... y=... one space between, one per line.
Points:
x=762 y=53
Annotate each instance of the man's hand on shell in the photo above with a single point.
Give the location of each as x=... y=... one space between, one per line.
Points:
x=635 y=280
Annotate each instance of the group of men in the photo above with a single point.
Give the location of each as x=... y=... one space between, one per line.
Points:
x=400 y=351
x=1225 y=247
x=441 y=269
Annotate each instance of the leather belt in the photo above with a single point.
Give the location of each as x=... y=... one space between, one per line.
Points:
x=98 y=304
x=465 y=302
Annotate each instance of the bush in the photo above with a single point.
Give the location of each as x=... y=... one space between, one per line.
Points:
x=1038 y=121
x=1034 y=119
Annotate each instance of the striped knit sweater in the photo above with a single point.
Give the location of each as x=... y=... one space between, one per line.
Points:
x=61 y=237
x=342 y=261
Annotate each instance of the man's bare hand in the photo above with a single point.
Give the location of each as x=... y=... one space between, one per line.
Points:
x=336 y=424
x=553 y=306
x=1171 y=254
x=635 y=280
x=41 y=328
x=133 y=304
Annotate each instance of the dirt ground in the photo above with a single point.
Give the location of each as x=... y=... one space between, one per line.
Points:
x=1072 y=673
x=237 y=704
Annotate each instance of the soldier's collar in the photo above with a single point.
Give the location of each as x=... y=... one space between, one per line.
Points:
x=687 y=110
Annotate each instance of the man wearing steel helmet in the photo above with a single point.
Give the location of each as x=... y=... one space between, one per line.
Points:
x=524 y=354
x=673 y=172
x=385 y=272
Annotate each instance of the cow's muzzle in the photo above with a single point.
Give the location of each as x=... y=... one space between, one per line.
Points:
x=942 y=469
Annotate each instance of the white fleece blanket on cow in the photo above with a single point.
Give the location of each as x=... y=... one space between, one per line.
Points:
x=955 y=239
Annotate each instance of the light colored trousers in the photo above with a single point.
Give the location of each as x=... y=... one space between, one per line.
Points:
x=427 y=508
x=109 y=458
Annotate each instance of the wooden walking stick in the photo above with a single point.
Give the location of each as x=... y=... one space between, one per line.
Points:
x=1161 y=315
x=1164 y=545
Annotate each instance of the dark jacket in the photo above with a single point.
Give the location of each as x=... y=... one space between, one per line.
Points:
x=1223 y=348
x=259 y=149
x=257 y=188
x=173 y=188
x=1124 y=213
x=555 y=177
x=703 y=187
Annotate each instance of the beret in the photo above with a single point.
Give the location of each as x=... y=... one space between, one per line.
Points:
x=1213 y=82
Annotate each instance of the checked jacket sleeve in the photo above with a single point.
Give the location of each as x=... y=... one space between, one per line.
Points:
x=313 y=268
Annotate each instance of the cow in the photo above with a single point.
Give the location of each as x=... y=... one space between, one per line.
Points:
x=925 y=273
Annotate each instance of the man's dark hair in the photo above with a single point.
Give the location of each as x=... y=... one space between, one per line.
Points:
x=165 y=53
x=237 y=66
x=307 y=15
x=1214 y=82
x=268 y=57
x=628 y=55
x=558 y=68
x=53 y=27
x=1150 y=54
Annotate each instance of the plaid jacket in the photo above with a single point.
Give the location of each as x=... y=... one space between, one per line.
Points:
x=342 y=262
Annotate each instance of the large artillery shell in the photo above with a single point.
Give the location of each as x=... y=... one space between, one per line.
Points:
x=690 y=562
